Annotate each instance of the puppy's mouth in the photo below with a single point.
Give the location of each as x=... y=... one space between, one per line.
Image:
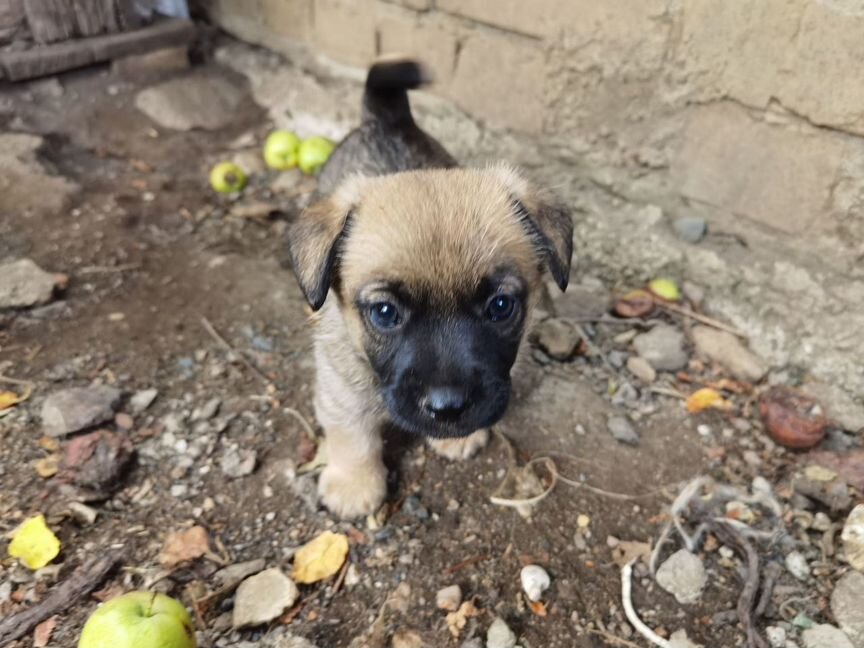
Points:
x=415 y=415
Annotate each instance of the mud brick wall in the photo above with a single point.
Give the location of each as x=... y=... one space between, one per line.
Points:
x=753 y=108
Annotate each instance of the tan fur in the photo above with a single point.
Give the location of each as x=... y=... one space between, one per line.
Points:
x=439 y=232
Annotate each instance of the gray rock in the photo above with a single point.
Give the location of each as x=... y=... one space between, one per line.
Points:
x=776 y=636
x=622 y=430
x=473 y=643
x=78 y=408
x=797 y=565
x=500 y=635
x=847 y=605
x=24 y=284
x=642 y=369
x=853 y=538
x=679 y=639
x=839 y=405
x=727 y=350
x=233 y=574
x=558 y=338
x=192 y=101
x=237 y=463
x=690 y=228
x=449 y=598
x=143 y=399
x=683 y=576
x=662 y=347
x=825 y=636
x=288 y=641
x=208 y=410
x=262 y=598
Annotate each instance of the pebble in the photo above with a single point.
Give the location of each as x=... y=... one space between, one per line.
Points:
x=683 y=576
x=24 y=284
x=622 y=430
x=797 y=565
x=352 y=576
x=690 y=228
x=208 y=410
x=679 y=639
x=662 y=347
x=262 y=598
x=406 y=639
x=535 y=581
x=821 y=522
x=853 y=538
x=237 y=463
x=78 y=408
x=233 y=574
x=776 y=636
x=847 y=606
x=288 y=641
x=449 y=598
x=825 y=636
x=413 y=507
x=558 y=338
x=642 y=369
x=500 y=635
x=727 y=350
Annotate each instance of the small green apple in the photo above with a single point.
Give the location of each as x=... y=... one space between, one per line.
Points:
x=139 y=620
x=280 y=150
x=227 y=177
x=313 y=153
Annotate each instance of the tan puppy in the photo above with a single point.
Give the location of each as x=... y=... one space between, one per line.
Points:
x=431 y=275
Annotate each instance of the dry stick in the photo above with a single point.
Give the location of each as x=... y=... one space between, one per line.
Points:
x=82 y=581
x=302 y=419
x=613 y=639
x=630 y=611
x=109 y=269
x=710 y=321
x=224 y=343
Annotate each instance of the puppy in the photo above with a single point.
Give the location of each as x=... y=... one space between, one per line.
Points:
x=422 y=277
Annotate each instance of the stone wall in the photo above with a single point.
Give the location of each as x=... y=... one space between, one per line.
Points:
x=753 y=108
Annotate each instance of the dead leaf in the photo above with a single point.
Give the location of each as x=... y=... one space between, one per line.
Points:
x=456 y=621
x=184 y=546
x=49 y=443
x=48 y=466
x=707 y=398
x=8 y=399
x=42 y=633
x=321 y=558
x=627 y=551
x=538 y=608
x=636 y=303
x=848 y=465
x=791 y=418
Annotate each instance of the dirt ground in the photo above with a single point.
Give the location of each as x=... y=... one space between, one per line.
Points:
x=150 y=250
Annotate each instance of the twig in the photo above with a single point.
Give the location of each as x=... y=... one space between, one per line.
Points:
x=772 y=573
x=109 y=269
x=630 y=611
x=341 y=578
x=473 y=560
x=82 y=581
x=613 y=639
x=302 y=419
x=710 y=321
x=225 y=345
x=667 y=391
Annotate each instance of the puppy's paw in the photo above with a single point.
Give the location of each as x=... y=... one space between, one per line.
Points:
x=353 y=492
x=460 y=449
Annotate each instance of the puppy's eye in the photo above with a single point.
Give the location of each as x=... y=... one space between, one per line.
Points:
x=384 y=315
x=500 y=308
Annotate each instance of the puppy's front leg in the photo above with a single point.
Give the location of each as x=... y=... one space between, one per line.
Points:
x=464 y=448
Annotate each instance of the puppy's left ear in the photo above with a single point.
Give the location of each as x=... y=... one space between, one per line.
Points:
x=314 y=240
x=548 y=222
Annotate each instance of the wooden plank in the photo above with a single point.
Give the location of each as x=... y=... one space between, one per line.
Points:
x=51 y=59
x=94 y=17
x=50 y=20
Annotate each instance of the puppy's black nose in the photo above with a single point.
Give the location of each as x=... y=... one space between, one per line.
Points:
x=445 y=402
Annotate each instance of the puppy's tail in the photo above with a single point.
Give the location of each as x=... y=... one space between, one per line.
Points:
x=385 y=98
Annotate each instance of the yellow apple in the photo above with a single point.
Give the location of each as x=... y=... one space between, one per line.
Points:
x=280 y=150
x=227 y=177
x=313 y=154
x=139 y=620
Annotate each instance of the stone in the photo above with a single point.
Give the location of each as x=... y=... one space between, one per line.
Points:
x=642 y=369
x=191 y=101
x=24 y=284
x=160 y=62
x=143 y=399
x=728 y=351
x=776 y=636
x=432 y=41
x=500 y=635
x=690 y=229
x=289 y=641
x=683 y=576
x=622 y=430
x=582 y=301
x=847 y=606
x=558 y=338
x=449 y=598
x=513 y=15
x=236 y=463
x=662 y=347
x=238 y=572
x=292 y=19
x=825 y=636
x=679 y=639
x=853 y=538
x=535 y=580
x=406 y=639
x=839 y=405
x=345 y=30
x=26 y=182
x=78 y=408
x=263 y=598
x=208 y=410
x=797 y=565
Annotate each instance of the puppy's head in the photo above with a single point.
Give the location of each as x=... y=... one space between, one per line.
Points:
x=435 y=273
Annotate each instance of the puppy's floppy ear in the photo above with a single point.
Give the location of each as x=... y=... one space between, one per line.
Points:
x=548 y=222
x=314 y=240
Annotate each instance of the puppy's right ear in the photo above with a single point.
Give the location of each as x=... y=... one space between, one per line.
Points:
x=314 y=242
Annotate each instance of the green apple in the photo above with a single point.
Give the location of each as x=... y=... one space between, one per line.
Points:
x=313 y=154
x=280 y=150
x=227 y=177
x=139 y=620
